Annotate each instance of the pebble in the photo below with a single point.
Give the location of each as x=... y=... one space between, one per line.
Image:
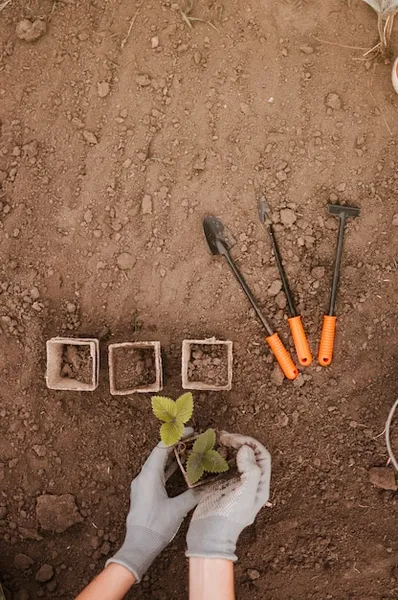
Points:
x=333 y=101
x=103 y=89
x=70 y=307
x=88 y=216
x=197 y=58
x=44 y=574
x=40 y=450
x=125 y=261
x=146 y=205
x=245 y=108
x=395 y=220
x=253 y=574
x=306 y=49
x=288 y=217
x=154 y=42
x=30 y=32
x=341 y=187
x=383 y=477
x=22 y=562
x=143 y=80
x=90 y=137
x=35 y=294
x=275 y=287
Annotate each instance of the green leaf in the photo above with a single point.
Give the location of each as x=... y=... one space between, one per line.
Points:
x=171 y=433
x=194 y=467
x=165 y=409
x=213 y=462
x=205 y=442
x=184 y=407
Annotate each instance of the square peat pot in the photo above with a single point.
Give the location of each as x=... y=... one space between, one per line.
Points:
x=207 y=364
x=135 y=368
x=72 y=364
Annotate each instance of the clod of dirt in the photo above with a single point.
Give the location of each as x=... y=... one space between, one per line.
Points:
x=22 y=594
x=333 y=101
x=253 y=574
x=3 y=512
x=395 y=220
x=125 y=261
x=143 y=80
x=288 y=217
x=384 y=478
x=57 y=513
x=103 y=89
x=22 y=562
x=134 y=368
x=277 y=376
x=44 y=574
x=40 y=450
x=318 y=273
x=146 y=205
x=275 y=287
x=77 y=363
x=208 y=364
x=90 y=137
x=305 y=49
x=30 y=32
x=154 y=42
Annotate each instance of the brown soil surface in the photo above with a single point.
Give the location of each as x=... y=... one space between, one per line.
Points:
x=76 y=363
x=134 y=368
x=208 y=364
x=112 y=149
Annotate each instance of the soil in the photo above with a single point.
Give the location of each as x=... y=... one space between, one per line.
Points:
x=103 y=191
x=134 y=368
x=77 y=363
x=208 y=364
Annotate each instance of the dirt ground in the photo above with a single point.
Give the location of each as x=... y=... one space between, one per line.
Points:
x=121 y=127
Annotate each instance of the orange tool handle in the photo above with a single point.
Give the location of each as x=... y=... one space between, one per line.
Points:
x=300 y=341
x=282 y=356
x=327 y=340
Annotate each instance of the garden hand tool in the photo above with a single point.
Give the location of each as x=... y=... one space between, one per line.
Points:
x=329 y=321
x=295 y=323
x=219 y=244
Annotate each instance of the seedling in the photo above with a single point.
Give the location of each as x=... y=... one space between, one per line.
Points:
x=386 y=11
x=196 y=455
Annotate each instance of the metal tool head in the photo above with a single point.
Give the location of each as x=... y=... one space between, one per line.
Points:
x=264 y=211
x=347 y=211
x=216 y=236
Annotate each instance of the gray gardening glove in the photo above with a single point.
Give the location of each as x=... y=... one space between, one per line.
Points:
x=228 y=507
x=154 y=518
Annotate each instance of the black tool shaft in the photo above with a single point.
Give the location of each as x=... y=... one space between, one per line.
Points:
x=282 y=273
x=337 y=263
x=248 y=293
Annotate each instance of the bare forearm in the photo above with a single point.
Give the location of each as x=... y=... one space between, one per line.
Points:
x=211 y=579
x=112 y=583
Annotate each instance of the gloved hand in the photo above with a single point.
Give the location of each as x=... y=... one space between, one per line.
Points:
x=228 y=507
x=154 y=518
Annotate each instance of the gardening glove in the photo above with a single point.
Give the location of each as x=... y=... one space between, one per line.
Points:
x=154 y=518
x=230 y=506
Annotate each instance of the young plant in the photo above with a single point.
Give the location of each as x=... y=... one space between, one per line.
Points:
x=174 y=415
x=204 y=458
x=386 y=11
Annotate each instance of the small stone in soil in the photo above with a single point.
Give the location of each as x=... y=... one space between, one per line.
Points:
x=57 y=513
x=253 y=574
x=134 y=368
x=208 y=364
x=30 y=32
x=45 y=573
x=76 y=363
x=288 y=217
x=333 y=101
x=22 y=562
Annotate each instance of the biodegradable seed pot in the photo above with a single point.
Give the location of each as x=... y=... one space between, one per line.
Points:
x=200 y=457
x=72 y=364
x=135 y=367
x=207 y=364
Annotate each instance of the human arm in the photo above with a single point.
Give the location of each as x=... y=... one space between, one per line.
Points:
x=222 y=514
x=211 y=579
x=112 y=583
x=152 y=522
